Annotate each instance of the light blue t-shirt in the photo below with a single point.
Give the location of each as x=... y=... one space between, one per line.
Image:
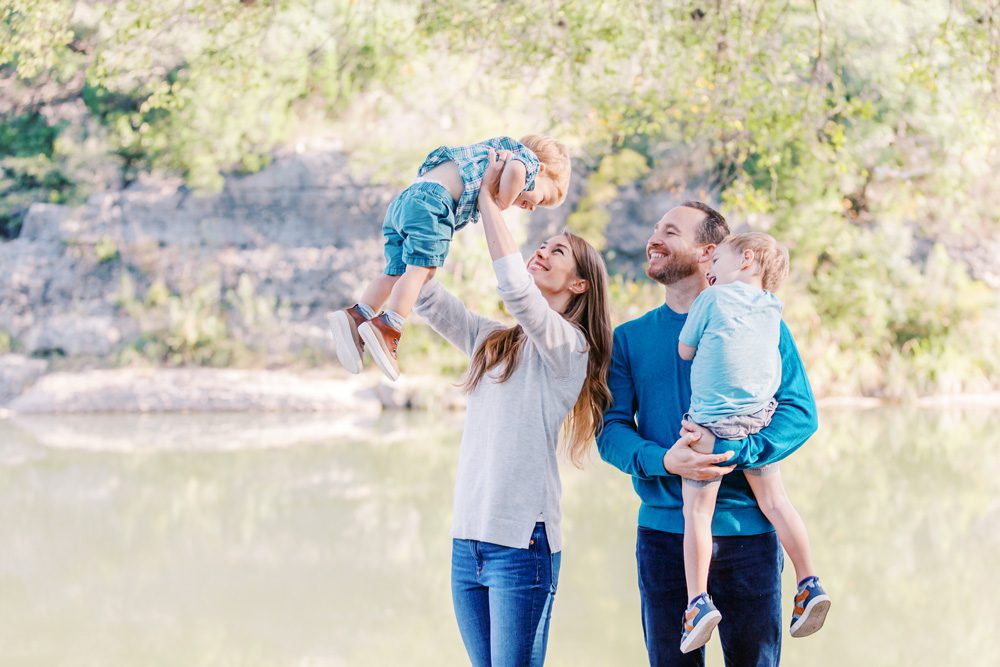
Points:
x=737 y=368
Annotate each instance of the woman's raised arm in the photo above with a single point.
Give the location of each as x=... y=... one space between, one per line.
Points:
x=558 y=341
x=448 y=316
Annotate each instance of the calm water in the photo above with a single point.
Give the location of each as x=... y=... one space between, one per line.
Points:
x=305 y=540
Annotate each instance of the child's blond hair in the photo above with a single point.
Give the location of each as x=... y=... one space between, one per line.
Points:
x=771 y=257
x=555 y=157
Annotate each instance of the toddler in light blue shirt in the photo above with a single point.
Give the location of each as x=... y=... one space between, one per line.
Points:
x=731 y=334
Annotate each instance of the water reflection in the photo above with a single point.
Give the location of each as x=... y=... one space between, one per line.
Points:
x=314 y=540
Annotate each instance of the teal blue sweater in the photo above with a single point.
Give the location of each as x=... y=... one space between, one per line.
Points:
x=651 y=390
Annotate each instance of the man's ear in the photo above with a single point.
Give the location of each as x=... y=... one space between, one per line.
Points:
x=706 y=252
x=579 y=286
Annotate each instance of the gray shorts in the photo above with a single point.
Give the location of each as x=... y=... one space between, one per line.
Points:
x=738 y=427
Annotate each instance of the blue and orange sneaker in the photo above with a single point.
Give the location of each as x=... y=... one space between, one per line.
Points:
x=811 y=605
x=700 y=619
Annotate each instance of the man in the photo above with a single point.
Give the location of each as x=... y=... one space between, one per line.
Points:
x=651 y=391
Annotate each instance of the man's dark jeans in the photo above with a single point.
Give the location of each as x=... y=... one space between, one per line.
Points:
x=744 y=582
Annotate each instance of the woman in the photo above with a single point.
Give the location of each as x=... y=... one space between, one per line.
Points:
x=523 y=383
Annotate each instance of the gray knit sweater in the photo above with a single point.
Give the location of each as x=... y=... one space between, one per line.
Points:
x=508 y=472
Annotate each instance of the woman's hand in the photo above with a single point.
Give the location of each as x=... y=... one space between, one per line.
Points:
x=491 y=179
x=498 y=238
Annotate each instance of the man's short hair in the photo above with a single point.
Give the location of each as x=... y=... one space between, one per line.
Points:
x=713 y=229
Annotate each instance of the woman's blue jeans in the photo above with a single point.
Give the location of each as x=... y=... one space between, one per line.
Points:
x=503 y=599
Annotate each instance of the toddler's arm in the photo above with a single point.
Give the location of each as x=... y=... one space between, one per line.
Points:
x=512 y=180
x=694 y=327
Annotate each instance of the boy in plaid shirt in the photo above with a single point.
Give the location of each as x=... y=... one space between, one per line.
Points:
x=420 y=223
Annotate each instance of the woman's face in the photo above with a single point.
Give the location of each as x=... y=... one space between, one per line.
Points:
x=553 y=268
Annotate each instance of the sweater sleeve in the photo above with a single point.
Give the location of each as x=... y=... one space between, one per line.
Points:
x=619 y=441
x=558 y=341
x=793 y=422
x=448 y=316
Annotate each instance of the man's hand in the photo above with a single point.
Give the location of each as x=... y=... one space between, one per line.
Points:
x=681 y=460
x=705 y=440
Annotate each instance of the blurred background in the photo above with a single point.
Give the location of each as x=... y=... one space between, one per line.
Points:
x=187 y=187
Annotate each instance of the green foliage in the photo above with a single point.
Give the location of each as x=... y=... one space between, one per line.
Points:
x=27 y=170
x=631 y=298
x=25 y=180
x=33 y=33
x=127 y=125
x=222 y=83
x=204 y=326
x=26 y=135
x=590 y=217
x=6 y=342
x=106 y=251
x=178 y=329
x=255 y=311
x=877 y=323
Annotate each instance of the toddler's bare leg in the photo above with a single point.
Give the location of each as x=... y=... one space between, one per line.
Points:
x=378 y=291
x=407 y=289
x=699 y=506
x=773 y=500
x=702 y=447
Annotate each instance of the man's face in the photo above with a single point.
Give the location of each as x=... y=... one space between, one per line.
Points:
x=673 y=252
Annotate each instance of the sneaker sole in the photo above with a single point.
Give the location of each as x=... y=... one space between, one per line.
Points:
x=343 y=339
x=813 y=617
x=373 y=341
x=702 y=632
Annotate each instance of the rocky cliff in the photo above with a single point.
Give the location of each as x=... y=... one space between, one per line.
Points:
x=302 y=234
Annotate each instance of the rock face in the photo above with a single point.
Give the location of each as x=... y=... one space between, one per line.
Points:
x=18 y=372
x=296 y=240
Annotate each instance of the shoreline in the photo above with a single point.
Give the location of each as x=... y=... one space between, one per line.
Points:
x=324 y=390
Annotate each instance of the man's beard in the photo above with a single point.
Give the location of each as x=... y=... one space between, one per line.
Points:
x=673 y=269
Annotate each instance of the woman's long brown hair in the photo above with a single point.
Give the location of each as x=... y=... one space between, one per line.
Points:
x=589 y=312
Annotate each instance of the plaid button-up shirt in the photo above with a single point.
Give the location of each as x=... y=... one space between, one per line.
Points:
x=472 y=164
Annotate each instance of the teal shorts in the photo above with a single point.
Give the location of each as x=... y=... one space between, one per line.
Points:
x=418 y=227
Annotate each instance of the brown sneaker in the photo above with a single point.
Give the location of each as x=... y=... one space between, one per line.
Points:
x=344 y=327
x=382 y=341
